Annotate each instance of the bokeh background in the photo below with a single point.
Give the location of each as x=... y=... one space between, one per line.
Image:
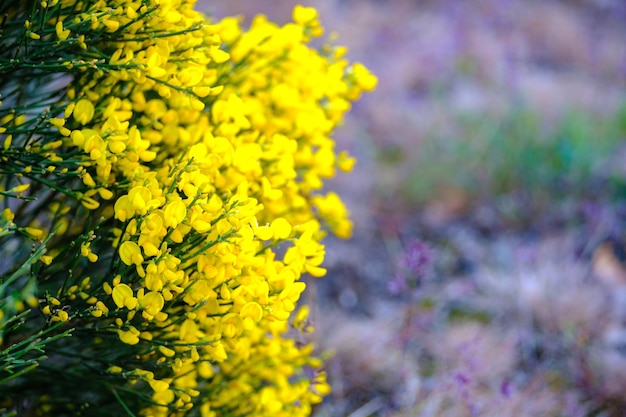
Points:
x=486 y=275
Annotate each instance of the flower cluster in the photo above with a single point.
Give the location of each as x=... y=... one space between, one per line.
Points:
x=162 y=189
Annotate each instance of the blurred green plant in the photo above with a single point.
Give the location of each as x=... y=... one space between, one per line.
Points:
x=519 y=159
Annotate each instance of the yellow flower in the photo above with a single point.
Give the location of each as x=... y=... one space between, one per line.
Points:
x=123 y=296
x=62 y=34
x=83 y=111
x=61 y=315
x=46 y=259
x=252 y=311
x=304 y=15
x=34 y=232
x=191 y=76
x=199 y=198
x=115 y=369
x=158 y=385
x=366 y=80
x=130 y=253
x=152 y=303
x=130 y=336
x=281 y=228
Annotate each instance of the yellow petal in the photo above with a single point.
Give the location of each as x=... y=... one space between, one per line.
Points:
x=128 y=251
x=252 y=310
x=158 y=386
x=128 y=337
x=281 y=228
x=120 y=293
x=191 y=76
x=83 y=112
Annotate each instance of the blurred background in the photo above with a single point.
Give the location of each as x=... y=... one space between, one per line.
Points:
x=487 y=272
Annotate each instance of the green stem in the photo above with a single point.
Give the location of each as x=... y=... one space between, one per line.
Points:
x=122 y=403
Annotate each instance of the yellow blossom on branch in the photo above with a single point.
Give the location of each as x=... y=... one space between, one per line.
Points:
x=185 y=159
